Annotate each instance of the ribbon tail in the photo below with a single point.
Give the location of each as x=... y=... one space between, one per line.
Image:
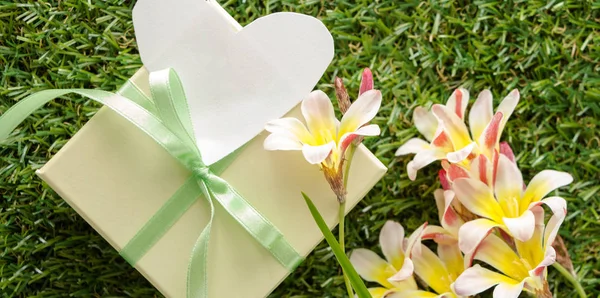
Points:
x=253 y=222
x=197 y=282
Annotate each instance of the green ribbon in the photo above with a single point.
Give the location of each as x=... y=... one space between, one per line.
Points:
x=166 y=119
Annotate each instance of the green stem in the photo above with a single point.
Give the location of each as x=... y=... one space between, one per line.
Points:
x=570 y=278
x=342 y=215
x=341 y=228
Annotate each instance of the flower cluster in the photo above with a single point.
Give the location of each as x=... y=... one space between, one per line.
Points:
x=487 y=213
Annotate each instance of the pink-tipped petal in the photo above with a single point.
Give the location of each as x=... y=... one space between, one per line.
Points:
x=425 y=122
x=488 y=141
x=361 y=112
x=455 y=171
x=318 y=113
x=508 y=186
x=282 y=141
x=473 y=232
x=507 y=151
x=391 y=239
x=317 y=154
x=461 y=154
x=453 y=125
x=439 y=235
x=367 y=130
x=507 y=107
x=478 y=198
x=549 y=259
x=521 y=227
x=481 y=113
x=413 y=244
x=481 y=168
x=542 y=184
x=477 y=279
x=412 y=146
x=458 y=102
x=443 y=176
x=366 y=82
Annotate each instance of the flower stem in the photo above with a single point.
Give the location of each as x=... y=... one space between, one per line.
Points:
x=342 y=214
x=571 y=279
x=341 y=228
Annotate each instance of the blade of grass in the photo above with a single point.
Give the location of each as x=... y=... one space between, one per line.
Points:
x=355 y=280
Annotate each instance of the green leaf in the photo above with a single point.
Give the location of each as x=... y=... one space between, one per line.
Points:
x=355 y=280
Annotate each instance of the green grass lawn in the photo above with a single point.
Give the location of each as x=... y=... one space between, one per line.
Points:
x=419 y=51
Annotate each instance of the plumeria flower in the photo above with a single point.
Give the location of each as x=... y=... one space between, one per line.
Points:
x=523 y=269
x=447 y=135
x=507 y=205
x=324 y=139
x=394 y=274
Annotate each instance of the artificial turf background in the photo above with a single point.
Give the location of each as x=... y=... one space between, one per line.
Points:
x=419 y=51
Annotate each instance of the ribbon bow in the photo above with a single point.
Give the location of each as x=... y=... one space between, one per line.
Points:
x=166 y=119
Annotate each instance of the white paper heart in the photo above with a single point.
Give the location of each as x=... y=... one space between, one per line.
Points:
x=235 y=81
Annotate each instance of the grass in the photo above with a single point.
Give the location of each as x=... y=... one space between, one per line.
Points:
x=419 y=51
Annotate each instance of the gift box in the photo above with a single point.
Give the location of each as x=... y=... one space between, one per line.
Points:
x=117 y=177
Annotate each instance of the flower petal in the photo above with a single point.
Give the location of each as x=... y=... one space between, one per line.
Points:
x=455 y=171
x=360 y=112
x=412 y=146
x=507 y=151
x=282 y=141
x=421 y=160
x=412 y=246
x=404 y=273
x=431 y=270
x=473 y=232
x=380 y=292
x=521 y=227
x=488 y=140
x=508 y=290
x=477 y=279
x=290 y=126
x=414 y=294
x=495 y=252
x=439 y=235
x=317 y=154
x=453 y=125
x=450 y=219
x=367 y=130
x=452 y=258
x=481 y=113
x=371 y=267
x=458 y=102
x=391 y=239
x=478 y=198
x=542 y=184
x=507 y=107
x=425 y=122
x=481 y=168
x=508 y=186
x=366 y=82
x=320 y=117
x=461 y=154
x=549 y=259
x=551 y=229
